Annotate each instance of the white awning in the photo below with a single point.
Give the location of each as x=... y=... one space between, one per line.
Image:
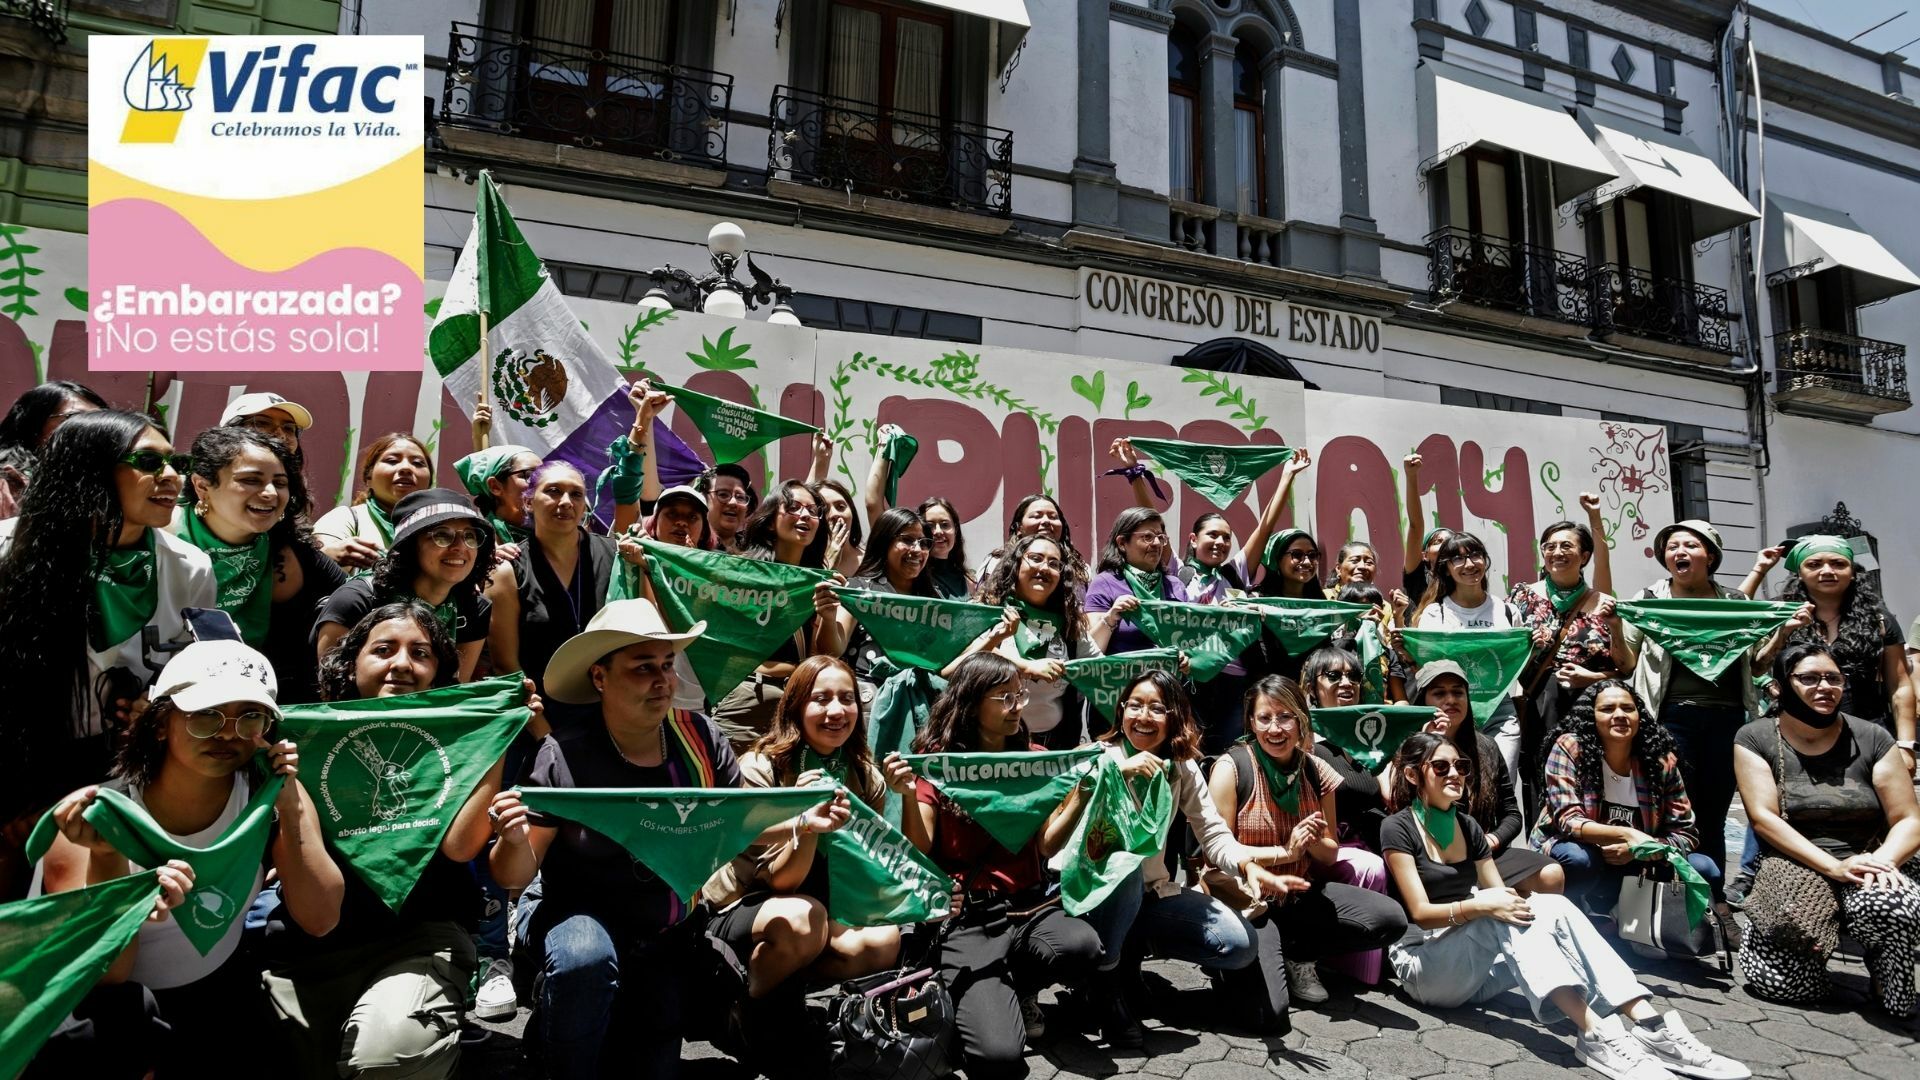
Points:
x=1461 y=109
x=1009 y=18
x=1814 y=239
x=1646 y=156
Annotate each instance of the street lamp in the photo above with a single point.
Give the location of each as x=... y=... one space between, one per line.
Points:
x=718 y=293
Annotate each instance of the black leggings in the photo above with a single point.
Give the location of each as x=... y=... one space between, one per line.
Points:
x=988 y=965
x=1332 y=919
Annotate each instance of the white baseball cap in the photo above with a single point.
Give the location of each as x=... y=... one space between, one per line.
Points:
x=206 y=674
x=255 y=404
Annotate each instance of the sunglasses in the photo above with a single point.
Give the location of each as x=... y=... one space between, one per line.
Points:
x=266 y=425
x=152 y=462
x=208 y=723
x=1448 y=767
x=446 y=538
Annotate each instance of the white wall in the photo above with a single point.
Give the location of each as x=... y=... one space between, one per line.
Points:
x=1136 y=65
x=1816 y=464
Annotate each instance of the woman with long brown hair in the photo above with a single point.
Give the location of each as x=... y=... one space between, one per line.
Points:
x=391 y=467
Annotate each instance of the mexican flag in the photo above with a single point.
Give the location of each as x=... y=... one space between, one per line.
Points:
x=551 y=387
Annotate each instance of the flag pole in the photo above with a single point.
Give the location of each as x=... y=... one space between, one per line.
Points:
x=482 y=439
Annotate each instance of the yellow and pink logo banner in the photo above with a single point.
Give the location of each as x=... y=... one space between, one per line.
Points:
x=255 y=203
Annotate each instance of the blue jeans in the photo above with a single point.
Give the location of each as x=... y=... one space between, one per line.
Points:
x=605 y=1001
x=1591 y=878
x=1703 y=741
x=1186 y=926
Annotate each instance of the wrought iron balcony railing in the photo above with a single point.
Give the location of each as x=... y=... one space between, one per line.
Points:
x=1668 y=309
x=1822 y=360
x=1509 y=276
x=47 y=16
x=561 y=92
x=838 y=143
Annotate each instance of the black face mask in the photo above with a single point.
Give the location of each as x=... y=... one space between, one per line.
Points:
x=1796 y=706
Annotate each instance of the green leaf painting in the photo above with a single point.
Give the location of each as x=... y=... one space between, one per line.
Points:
x=1095 y=391
x=1135 y=399
x=78 y=298
x=1231 y=398
x=722 y=355
x=15 y=290
x=630 y=341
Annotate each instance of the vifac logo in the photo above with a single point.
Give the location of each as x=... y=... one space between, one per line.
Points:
x=160 y=84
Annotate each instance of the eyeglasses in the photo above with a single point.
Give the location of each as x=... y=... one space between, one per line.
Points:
x=1276 y=720
x=152 y=462
x=800 y=510
x=522 y=473
x=1467 y=560
x=1012 y=699
x=918 y=545
x=732 y=496
x=1154 y=539
x=1340 y=676
x=1562 y=547
x=446 y=538
x=1821 y=678
x=267 y=425
x=1040 y=562
x=1141 y=708
x=208 y=723
x=1448 y=766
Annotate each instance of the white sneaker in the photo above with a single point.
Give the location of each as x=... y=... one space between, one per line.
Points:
x=1609 y=1050
x=1303 y=982
x=496 y=999
x=1680 y=1051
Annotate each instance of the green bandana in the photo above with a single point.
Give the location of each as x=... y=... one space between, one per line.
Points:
x=733 y=431
x=241 y=582
x=681 y=834
x=1277 y=546
x=1221 y=474
x=388 y=774
x=1007 y=794
x=1121 y=828
x=833 y=765
x=1374 y=669
x=1817 y=545
x=1283 y=787
x=1144 y=584
x=918 y=631
x=1101 y=678
x=1302 y=624
x=126 y=594
x=1491 y=658
x=507 y=532
x=1210 y=634
x=898 y=451
x=897 y=716
x=1370 y=733
x=1563 y=600
x=876 y=877
x=223 y=871
x=1205 y=577
x=1706 y=635
x=1440 y=824
x=1037 y=629
x=477 y=468
x=949 y=579
x=1699 y=893
x=381 y=521
x=750 y=606
x=54 y=948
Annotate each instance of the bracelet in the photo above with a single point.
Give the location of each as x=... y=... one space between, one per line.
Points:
x=1453 y=913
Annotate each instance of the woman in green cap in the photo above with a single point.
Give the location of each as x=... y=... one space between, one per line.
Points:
x=497 y=479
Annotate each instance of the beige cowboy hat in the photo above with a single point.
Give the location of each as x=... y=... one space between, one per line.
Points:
x=614 y=627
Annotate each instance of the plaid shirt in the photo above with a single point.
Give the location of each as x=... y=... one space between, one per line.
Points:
x=1665 y=813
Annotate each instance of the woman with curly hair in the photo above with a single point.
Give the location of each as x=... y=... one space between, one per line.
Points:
x=442 y=555
x=189 y=761
x=247 y=512
x=392 y=466
x=1612 y=782
x=771 y=899
x=91 y=588
x=1043 y=629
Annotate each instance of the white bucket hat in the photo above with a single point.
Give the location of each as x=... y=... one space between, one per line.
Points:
x=614 y=627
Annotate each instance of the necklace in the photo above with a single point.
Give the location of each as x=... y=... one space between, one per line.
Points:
x=660 y=732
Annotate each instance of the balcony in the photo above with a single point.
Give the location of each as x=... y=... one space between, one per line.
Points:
x=1683 y=313
x=851 y=147
x=1524 y=285
x=1838 y=376
x=573 y=95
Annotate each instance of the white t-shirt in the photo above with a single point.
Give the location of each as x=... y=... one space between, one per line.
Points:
x=1618 y=799
x=166 y=958
x=1447 y=615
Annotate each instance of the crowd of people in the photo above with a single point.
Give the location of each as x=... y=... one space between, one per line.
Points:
x=159 y=610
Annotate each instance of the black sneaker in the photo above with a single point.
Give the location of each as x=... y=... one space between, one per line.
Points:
x=1118 y=1029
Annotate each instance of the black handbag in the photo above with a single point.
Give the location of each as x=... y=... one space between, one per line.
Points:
x=894 y=1025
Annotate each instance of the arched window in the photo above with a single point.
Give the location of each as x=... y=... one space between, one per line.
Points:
x=1184 y=117
x=1249 y=151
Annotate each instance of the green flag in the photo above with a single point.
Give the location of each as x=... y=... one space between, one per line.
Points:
x=223 y=871
x=1124 y=825
x=1374 y=669
x=1101 y=678
x=1371 y=733
x=388 y=774
x=733 y=431
x=919 y=631
x=895 y=718
x=1301 y=623
x=876 y=877
x=1211 y=635
x=1706 y=635
x=1221 y=473
x=1492 y=659
x=1007 y=794
x=1699 y=893
x=750 y=606
x=898 y=449
x=54 y=948
x=681 y=834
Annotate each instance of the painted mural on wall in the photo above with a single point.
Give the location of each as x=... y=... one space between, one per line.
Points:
x=995 y=424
